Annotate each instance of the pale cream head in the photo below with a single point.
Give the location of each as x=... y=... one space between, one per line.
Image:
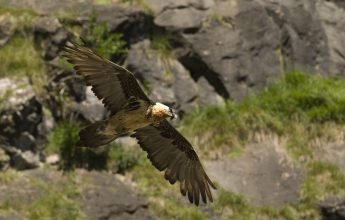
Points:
x=161 y=111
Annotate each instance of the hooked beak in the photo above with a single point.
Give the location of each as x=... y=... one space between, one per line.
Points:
x=172 y=114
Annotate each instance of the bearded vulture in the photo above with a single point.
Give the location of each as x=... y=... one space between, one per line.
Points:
x=132 y=112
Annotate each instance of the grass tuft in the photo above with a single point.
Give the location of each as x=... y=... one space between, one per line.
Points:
x=161 y=42
x=165 y=199
x=323 y=179
x=299 y=107
x=8 y=177
x=45 y=200
x=63 y=141
x=20 y=58
x=56 y=203
x=24 y=18
x=235 y=206
x=120 y=159
x=108 y=44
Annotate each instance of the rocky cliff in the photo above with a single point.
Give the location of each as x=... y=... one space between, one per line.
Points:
x=189 y=54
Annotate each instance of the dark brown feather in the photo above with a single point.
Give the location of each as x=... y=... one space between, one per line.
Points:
x=111 y=83
x=168 y=150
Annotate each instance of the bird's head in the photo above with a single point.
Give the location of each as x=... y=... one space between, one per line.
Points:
x=161 y=111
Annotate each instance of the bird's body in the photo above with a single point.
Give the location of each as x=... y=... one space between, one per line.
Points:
x=134 y=114
x=133 y=118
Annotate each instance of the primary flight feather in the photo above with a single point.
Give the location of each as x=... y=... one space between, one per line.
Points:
x=132 y=112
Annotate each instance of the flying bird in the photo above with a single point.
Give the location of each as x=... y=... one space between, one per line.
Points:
x=133 y=113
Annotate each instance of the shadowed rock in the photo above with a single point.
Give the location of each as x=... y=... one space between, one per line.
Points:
x=333 y=208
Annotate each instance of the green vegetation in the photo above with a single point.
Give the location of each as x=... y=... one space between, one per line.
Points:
x=216 y=18
x=23 y=19
x=306 y=110
x=65 y=135
x=8 y=177
x=236 y=207
x=103 y=1
x=63 y=141
x=56 y=200
x=330 y=182
x=17 y=11
x=293 y=108
x=20 y=58
x=299 y=107
x=139 y=3
x=120 y=159
x=108 y=44
x=165 y=200
x=161 y=42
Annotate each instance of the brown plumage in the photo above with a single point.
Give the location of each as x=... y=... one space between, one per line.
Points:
x=132 y=112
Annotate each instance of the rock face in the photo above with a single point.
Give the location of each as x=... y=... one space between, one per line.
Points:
x=21 y=116
x=333 y=22
x=100 y=195
x=231 y=49
x=133 y=23
x=217 y=50
x=110 y=199
x=50 y=6
x=92 y=108
x=333 y=208
x=333 y=153
x=21 y=113
x=263 y=174
x=51 y=36
x=152 y=71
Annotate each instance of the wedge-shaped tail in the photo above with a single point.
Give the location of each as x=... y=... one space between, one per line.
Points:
x=94 y=135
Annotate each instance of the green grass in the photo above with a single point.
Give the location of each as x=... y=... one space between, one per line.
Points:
x=236 y=207
x=139 y=3
x=301 y=107
x=323 y=179
x=52 y=200
x=216 y=18
x=100 y=2
x=121 y=159
x=107 y=44
x=63 y=141
x=65 y=134
x=57 y=202
x=161 y=42
x=165 y=199
x=20 y=58
x=24 y=19
x=112 y=157
x=233 y=206
x=17 y=11
x=8 y=177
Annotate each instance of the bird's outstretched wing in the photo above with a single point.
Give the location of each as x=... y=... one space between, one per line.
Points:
x=169 y=150
x=111 y=83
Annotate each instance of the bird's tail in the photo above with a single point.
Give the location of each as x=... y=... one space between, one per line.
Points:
x=94 y=135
